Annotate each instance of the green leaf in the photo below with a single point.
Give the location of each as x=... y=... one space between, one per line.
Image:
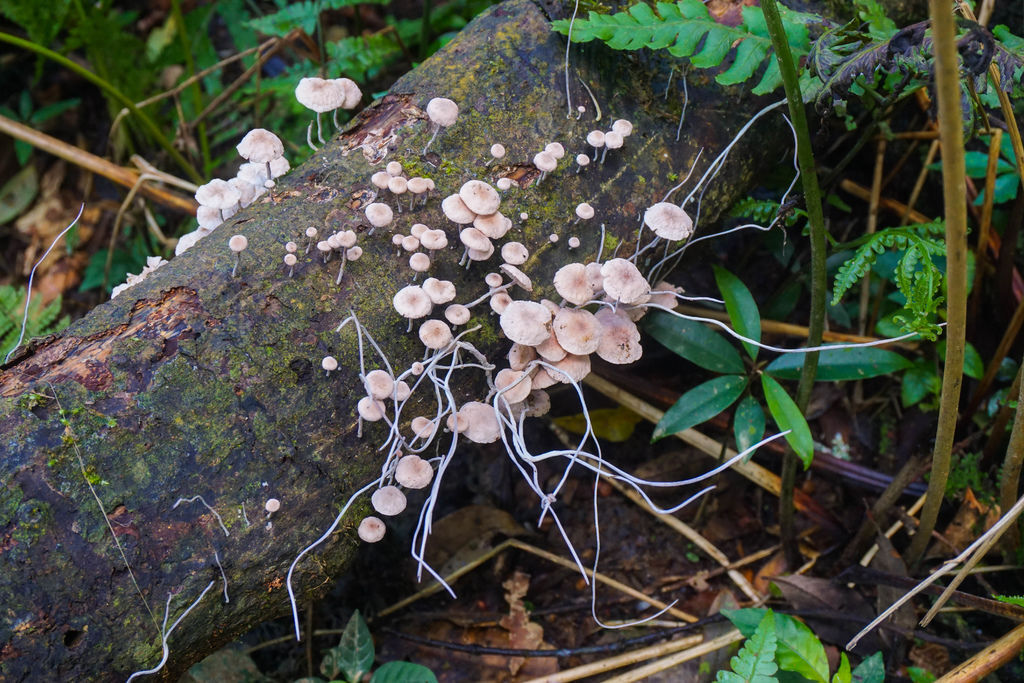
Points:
x=610 y=424
x=354 y=655
x=755 y=662
x=748 y=423
x=919 y=675
x=17 y=193
x=301 y=15
x=841 y=364
x=403 y=672
x=42 y=21
x=798 y=649
x=870 y=670
x=742 y=308
x=694 y=342
x=788 y=416
x=699 y=404
x=843 y=675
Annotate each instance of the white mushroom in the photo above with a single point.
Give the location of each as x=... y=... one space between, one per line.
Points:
x=388 y=501
x=479 y=197
x=623 y=282
x=514 y=385
x=514 y=253
x=260 y=146
x=668 y=221
x=379 y=384
x=572 y=284
x=526 y=322
x=371 y=529
x=577 y=330
x=413 y=472
x=442 y=113
x=320 y=95
x=481 y=422
x=620 y=339
x=456 y=210
x=435 y=334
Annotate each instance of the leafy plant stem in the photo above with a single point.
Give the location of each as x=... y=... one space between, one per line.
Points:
x=113 y=92
x=1010 y=484
x=947 y=85
x=190 y=67
x=816 y=218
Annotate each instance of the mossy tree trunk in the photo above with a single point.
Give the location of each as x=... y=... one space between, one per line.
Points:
x=196 y=383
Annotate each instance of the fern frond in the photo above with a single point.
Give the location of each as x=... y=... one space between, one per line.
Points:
x=686 y=29
x=40 y=322
x=755 y=663
x=1009 y=57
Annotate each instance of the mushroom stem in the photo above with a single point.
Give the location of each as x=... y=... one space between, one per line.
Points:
x=237 y=260
x=341 y=270
x=291 y=270
x=603 y=153
x=309 y=136
x=542 y=174
x=411 y=200
x=431 y=140
x=334 y=118
x=319 y=130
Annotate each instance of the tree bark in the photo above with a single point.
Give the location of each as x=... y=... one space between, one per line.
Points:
x=198 y=383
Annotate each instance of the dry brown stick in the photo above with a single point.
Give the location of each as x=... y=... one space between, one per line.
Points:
x=90 y=162
x=654 y=667
x=696 y=538
x=985 y=224
x=922 y=175
x=872 y=227
x=988 y=660
x=617 y=661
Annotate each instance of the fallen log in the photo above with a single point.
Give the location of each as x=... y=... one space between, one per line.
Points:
x=196 y=383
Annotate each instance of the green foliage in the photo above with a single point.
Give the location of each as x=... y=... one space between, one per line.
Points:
x=965 y=473
x=924 y=378
x=1017 y=600
x=42 y=21
x=796 y=650
x=1007 y=181
x=919 y=675
x=788 y=416
x=917 y=276
x=842 y=364
x=755 y=662
x=686 y=29
x=40 y=321
x=35 y=118
x=353 y=658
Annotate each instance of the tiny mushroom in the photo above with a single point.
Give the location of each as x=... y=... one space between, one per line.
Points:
x=457 y=314
x=514 y=385
x=320 y=95
x=379 y=214
x=668 y=221
x=497 y=152
x=581 y=161
x=416 y=187
x=388 y=501
x=576 y=330
x=237 y=245
x=433 y=240
x=329 y=364
x=442 y=113
x=620 y=338
x=413 y=472
x=514 y=253
x=439 y=291
x=290 y=261
x=526 y=322
x=218 y=194
x=435 y=334
x=419 y=262
x=584 y=212
x=595 y=139
x=544 y=161
x=413 y=303
x=503 y=183
x=423 y=427
x=370 y=409
x=271 y=506
x=479 y=197
x=393 y=169
x=517 y=276
x=520 y=355
x=380 y=179
x=572 y=284
x=379 y=384
x=555 y=149
x=456 y=210
x=260 y=146
x=612 y=140
x=622 y=127
x=481 y=422
x=574 y=242
x=623 y=282
x=371 y=529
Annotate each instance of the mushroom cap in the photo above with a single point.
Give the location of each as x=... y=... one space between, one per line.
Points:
x=503 y=183
x=371 y=529
x=416 y=368
x=329 y=363
x=442 y=111
x=515 y=385
x=289 y=259
x=456 y=210
x=664 y=294
x=439 y=291
x=481 y=422
x=419 y=262
x=417 y=230
x=493 y=280
x=435 y=334
x=412 y=302
x=620 y=339
x=457 y=314
x=402 y=390
x=542 y=379
x=409 y=242
x=520 y=355
x=388 y=501
x=577 y=330
x=594 y=277
x=538 y=403
x=218 y=194
x=260 y=146
x=526 y=322
x=517 y=276
x=555 y=149
x=320 y=94
x=418 y=185
x=582 y=160
x=278 y=167
x=238 y=243
x=499 y=301
x=550 y=349
x=572 y=284
x=370 y=409
x=613 y=140
x=623 y=281
x=474 y=239
x=347 y=238
x=380 y=179
x=291 y=247
x=434 y=239
x=584 y=211
x=479 y=197
x=187 y=241
x=571 y=369
x=398 y=184
x=545 y=161
x=272 y=505
x=354 y=253
x=574 y=242
x=379 y=384
x=208 y=218
x=595 y=138
x=514 y=253
x=413 y=472
x=379 y=214
x=246 y=190
x=668 y=221
x=353 y=95
x=480 y=254
x=622 y=127
x=553 y=238
x=497 y=150
x=493 y=225
x=423 y=427
x=393 y=168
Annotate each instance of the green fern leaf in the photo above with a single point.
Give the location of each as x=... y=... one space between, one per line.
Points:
x=686 y=29
x=755 y=663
